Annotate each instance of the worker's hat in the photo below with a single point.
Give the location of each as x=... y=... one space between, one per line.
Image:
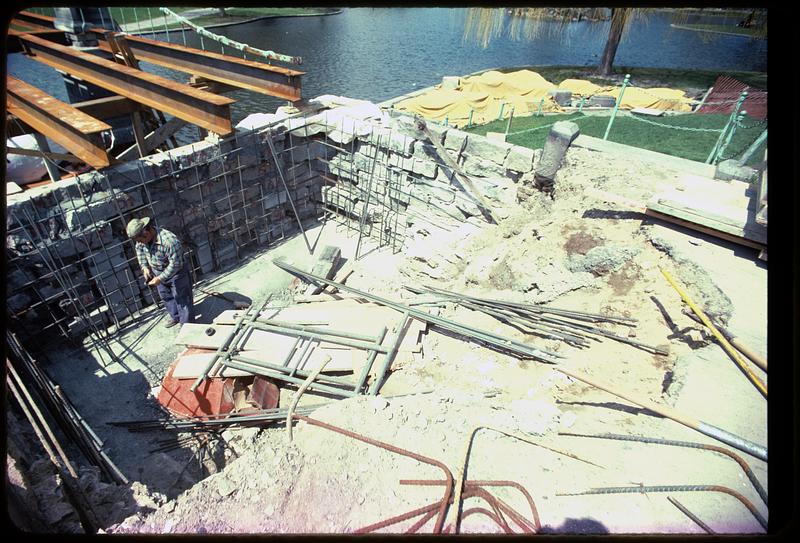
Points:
x=135 y=226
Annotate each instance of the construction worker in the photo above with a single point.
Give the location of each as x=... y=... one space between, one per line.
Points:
x=160 y=254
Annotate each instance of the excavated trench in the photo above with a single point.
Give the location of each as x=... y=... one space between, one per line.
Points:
x=370 y=183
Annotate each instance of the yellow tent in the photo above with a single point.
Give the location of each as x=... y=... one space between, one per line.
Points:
x=499 y=85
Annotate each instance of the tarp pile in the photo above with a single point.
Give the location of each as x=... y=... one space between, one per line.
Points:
x=492 y=95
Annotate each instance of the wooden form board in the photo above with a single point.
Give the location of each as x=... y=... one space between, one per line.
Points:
x=275 y=348
x=713 y=207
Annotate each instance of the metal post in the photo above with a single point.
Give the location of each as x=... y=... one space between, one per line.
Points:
x=616 y=105
x=580 y=106
x=510 y=118
x=752 y=149
x=539 y=111
x=502 y=106
x=728 y=139
x=469 y=122
x=724 y=131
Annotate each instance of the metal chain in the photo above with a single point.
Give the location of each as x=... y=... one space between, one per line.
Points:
x=543 y=126
x=685 y=128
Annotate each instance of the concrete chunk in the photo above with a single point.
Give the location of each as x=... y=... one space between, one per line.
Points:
x=486 y=149
x=519 y=159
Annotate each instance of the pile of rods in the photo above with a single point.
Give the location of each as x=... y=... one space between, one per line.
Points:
x=207 y=423
x=32 y=387
x=565 y=325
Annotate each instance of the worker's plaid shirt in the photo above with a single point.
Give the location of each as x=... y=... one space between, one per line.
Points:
x=163 y=255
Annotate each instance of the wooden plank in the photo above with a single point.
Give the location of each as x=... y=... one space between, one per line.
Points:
x=324 y=267
x=688 y=223
x=191 y=366
x=749 y=230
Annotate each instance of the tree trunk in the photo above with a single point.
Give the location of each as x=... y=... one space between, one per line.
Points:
x=221 y=12
x=619 y=17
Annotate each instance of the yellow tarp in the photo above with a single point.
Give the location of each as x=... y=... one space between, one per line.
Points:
x=491 y=93
x=499 y=85
x=655 y=98
x=486 y=96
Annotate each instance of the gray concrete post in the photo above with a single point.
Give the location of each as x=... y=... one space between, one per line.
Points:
x=559 y=139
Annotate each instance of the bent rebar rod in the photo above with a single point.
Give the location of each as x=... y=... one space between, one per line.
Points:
x=739 y=460
x=397 y=450
x=674 y=488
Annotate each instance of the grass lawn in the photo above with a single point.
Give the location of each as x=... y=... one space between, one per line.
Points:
x=532 y=132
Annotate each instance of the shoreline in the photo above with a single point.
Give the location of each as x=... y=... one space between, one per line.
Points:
x=178 y=28
x=682 y=27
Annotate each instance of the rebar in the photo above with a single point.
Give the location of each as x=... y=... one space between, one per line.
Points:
x=296 y=398
x=494 y=340
x=689 y=514
x=286 y=187
x=738 y=459
x=397 y=450
x=675 y=488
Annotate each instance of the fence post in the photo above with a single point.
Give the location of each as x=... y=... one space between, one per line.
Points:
x=580 y=106
x=502 y=106
x=752 y=149
x=724 y=132
x=469 y=122
x=728 y=139
x=539 y=111
x=616 y=105
x=510 y=117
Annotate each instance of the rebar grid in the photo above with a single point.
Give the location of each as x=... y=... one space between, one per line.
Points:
x=79 y=247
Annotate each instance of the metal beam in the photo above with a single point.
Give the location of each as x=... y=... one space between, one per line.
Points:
x=245 y=74
x=201 y=108
x=101 y=108
x=154 y=139
x=35 y=18
x=62 y=123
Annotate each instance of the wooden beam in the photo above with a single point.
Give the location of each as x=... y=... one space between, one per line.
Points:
x=192 y=105
x=704 y=229
x=244 y=74
x=155 y=138
x=70 y=128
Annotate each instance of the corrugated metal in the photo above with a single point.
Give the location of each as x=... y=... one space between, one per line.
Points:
x=727 y=90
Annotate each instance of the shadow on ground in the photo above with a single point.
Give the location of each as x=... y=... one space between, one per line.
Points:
x=576 y=526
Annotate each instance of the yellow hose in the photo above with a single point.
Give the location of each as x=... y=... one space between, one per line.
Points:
x=724 y=342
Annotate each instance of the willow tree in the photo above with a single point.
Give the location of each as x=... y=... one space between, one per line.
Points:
x=484 y=24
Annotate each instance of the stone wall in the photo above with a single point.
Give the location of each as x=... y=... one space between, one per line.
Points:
x=71 y=267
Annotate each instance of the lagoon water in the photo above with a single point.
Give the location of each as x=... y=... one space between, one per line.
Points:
x=378 y=53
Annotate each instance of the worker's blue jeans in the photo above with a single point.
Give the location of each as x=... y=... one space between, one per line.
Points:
x=177 y=296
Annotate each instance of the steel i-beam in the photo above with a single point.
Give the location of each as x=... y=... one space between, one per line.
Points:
x=198 y=107
x=246 y=74
x=72 y=129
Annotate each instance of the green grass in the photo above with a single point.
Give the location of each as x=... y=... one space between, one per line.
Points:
x=532 y=132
